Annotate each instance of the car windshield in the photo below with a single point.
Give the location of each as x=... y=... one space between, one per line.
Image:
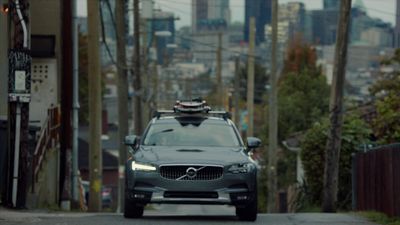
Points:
x=191 y=132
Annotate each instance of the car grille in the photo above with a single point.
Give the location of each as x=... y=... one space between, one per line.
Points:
x=180 y=172
x=180 y=194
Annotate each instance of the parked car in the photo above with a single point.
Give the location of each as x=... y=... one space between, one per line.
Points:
x=106 y=195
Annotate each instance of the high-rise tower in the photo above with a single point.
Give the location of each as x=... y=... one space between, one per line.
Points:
x=397 y=26
x=210 y=14
x=261 y=10
x=331 y=4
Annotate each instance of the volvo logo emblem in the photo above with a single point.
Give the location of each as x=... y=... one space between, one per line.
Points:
x=191 y=172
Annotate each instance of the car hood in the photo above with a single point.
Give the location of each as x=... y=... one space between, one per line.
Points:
x=190 y=155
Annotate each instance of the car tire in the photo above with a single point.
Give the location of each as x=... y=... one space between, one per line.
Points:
x=131 y=210
x=249 y=211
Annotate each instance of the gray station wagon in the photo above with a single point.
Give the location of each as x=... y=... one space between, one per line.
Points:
x=191 y=155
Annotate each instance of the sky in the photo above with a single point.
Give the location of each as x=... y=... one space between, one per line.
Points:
x=383 y=9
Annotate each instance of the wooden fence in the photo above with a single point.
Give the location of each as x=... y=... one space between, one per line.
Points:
x=376 y=180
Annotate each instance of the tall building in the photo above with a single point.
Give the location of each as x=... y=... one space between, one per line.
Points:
x=331 y=4
x=397 y=27
x=261 y=10
x=324 y=26
x=366 y=30
x=164 y=21
x=210 y=15
x=208 y=18
x=294 y=14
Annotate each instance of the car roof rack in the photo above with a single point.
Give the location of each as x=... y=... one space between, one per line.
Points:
x=192 y=107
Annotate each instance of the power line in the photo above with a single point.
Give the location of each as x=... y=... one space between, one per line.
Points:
x=173 y=8
x=214 y=46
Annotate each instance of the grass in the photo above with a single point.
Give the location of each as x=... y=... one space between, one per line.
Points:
x=380 y=218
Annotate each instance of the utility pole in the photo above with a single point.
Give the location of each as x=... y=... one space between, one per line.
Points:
x=120 y=14
x=273 y=116
x=66 y=133
x=146 y=80
x=155 y=72
x=95 y=113
x=220 y=88
x=137 y=86
x=75 y=104
x=333 y=145
x=236 y=91
x=19 y=98
x=250 y=78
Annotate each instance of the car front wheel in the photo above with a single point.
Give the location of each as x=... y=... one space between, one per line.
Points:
x=131 y=210
x=249 y=211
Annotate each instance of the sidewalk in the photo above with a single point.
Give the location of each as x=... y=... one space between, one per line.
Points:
x=13 y=215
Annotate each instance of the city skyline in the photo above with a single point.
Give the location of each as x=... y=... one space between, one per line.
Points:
x=383 y=9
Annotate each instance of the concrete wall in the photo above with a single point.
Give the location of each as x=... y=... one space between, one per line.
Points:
x=46 y=19
x=46 y=188
x=3 y=64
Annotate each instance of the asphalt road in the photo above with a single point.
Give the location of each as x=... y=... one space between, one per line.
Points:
x=175 y=214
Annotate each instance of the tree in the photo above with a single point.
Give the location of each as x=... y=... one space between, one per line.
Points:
x=260 y=81
x=386 y=126
x=83 y=80
x=300 y=56
x=303 y=99
x=303 y=94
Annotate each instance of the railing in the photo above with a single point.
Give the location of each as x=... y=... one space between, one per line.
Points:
x=49 y=137
x=376 y=180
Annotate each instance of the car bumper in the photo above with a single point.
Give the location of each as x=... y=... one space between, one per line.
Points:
x=231 y=189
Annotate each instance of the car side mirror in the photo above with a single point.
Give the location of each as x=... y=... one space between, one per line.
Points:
x=131 y=140
x=253 y=142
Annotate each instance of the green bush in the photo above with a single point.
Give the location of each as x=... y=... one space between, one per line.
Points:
x=355 y=132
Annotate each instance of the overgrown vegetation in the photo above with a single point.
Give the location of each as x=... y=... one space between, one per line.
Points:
x=303 y=99
x=83 y=80
x=387 y=91
x=355 y=132
x=380 y=218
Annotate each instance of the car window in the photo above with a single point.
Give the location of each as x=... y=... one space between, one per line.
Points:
x=191 y=133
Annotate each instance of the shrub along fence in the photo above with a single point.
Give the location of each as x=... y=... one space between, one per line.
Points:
x=376 y=180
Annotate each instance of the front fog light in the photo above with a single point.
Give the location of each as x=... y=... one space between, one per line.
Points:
x=142 y=167
x=241 y=197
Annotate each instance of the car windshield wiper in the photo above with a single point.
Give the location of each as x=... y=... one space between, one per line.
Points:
x=159 y=132
x=164 y=131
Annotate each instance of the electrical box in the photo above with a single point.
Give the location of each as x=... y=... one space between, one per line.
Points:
x=44 y=93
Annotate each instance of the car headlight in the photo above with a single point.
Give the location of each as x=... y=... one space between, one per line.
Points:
x=142 y=167
x=241 y=168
